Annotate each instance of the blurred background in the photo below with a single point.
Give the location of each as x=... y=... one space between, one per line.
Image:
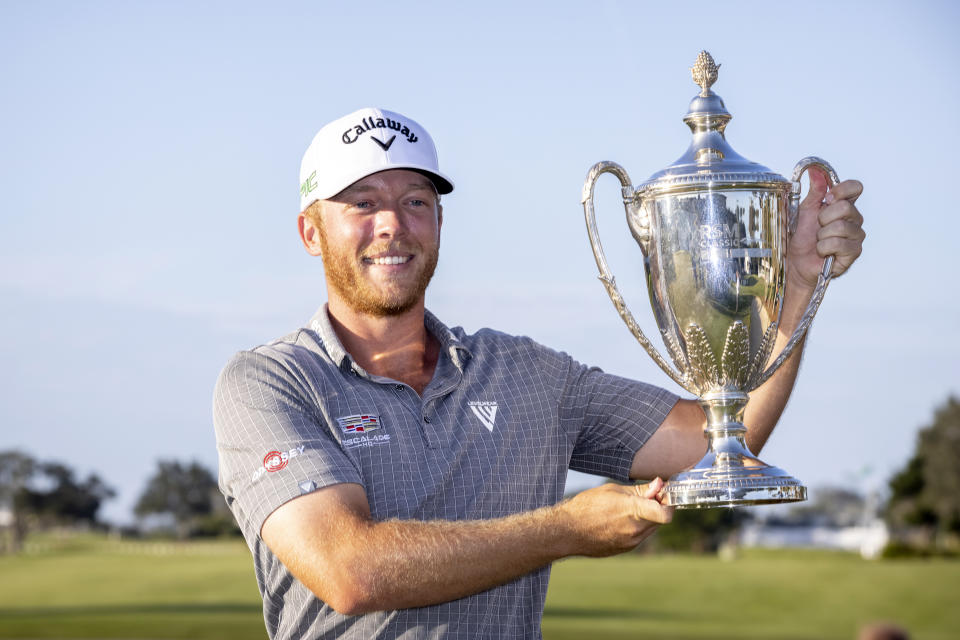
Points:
x=149 y=192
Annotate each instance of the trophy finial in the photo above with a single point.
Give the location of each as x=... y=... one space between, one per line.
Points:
x=704 y=72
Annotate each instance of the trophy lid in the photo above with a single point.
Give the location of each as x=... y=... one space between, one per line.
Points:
x=710 y=161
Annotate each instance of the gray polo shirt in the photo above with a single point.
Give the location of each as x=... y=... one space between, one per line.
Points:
x=493 y=434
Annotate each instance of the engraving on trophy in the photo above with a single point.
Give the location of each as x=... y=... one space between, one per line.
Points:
x=703 y=365
x=713 y=228
x=718 y=236
x=761 y=356
x=735 y=361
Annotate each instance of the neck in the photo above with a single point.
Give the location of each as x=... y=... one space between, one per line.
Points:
x=397 y=347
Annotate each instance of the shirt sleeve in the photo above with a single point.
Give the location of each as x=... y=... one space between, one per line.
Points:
x=273 y=444
x=614 y=418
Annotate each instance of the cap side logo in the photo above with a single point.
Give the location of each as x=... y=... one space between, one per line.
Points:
x=309 y=184
x=385 y=145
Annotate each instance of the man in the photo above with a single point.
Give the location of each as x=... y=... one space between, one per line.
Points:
x=397 y=478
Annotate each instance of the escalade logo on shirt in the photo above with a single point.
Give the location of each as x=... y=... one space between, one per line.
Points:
x=359 y=424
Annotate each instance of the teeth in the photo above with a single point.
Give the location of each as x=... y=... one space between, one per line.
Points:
x=390 y=260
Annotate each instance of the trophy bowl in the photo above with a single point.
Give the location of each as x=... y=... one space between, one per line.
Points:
x=714 y=229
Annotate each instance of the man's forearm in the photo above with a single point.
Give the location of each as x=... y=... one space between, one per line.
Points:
x=768 y=401
x=421 y=563
x=828 y=224
x=356 y=564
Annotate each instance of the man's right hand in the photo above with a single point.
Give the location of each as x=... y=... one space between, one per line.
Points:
x=613 y=518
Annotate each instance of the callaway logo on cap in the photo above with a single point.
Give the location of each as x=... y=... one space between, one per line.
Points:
x=363 y=143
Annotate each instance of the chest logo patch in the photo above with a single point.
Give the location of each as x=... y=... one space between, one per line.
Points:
x=359 y=428
x=485 y=411
x=359 y=423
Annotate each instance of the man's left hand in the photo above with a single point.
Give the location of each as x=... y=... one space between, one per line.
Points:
x=829 y=224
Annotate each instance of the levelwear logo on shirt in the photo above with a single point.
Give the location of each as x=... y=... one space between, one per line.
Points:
x=486 y=411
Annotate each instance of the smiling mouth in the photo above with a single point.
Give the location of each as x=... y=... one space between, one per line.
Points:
x=388 y=260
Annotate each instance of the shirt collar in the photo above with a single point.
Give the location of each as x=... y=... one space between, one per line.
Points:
x=320 y=323
x=449 y=342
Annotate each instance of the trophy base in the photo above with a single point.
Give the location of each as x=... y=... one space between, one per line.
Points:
x=731 y=479
x=729 y=475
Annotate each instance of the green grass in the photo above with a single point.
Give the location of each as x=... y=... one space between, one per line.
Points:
x=99 y=589
x=761 y=594
x=94 y=588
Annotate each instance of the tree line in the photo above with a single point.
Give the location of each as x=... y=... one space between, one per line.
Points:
x=36 y=495
x=181 y=499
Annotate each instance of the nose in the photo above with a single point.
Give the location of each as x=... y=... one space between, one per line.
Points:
x=389 y=221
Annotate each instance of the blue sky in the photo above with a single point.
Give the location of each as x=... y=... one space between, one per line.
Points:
x=148 y=184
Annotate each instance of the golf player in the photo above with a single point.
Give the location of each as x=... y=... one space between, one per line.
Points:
x=398 y=478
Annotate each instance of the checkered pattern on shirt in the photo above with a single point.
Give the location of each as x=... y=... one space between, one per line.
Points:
x=431 y=458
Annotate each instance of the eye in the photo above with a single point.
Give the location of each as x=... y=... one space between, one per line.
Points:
x=363 y=204
x=417 y=202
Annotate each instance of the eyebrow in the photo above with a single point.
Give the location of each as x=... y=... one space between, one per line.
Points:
x=426 y=184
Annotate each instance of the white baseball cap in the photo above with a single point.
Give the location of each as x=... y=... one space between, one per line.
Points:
x=362 y=143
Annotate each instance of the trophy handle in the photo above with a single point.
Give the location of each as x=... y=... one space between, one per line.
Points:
x=825 y=273
x=642 y=234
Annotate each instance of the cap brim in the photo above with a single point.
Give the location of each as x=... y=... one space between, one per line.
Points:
x=441 y=182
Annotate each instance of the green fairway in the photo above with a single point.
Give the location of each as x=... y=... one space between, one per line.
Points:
x=762 y=594
x=99 y=589
x=95 y=588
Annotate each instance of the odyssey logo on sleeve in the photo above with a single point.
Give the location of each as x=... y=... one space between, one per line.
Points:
x=275 y=461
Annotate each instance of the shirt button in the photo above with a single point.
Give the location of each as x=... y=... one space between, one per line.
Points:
x=399 y=387
x=426 y=419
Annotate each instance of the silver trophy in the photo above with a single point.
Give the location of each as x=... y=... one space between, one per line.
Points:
x=713 y=228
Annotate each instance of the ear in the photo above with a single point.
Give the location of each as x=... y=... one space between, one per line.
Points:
x=309 y=234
